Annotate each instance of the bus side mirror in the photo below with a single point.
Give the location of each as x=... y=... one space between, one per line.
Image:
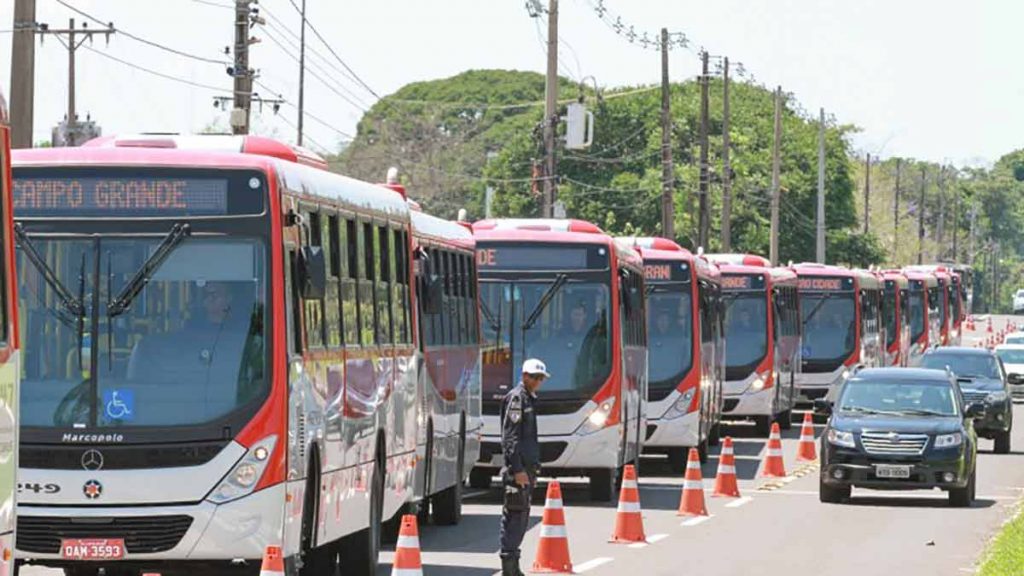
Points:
x=312 y=273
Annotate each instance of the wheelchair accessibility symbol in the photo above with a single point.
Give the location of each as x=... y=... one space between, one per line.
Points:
x=119 y=404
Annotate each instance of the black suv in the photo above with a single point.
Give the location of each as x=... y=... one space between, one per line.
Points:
x=899 y=429
x=982 y=380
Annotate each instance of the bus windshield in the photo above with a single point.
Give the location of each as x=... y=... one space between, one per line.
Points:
x=746 y=331
x=189 y=348
x=829 y=319
x=570 y=332
x=670 y=338
x=917 y=325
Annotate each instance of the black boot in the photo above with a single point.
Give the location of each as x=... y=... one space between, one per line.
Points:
x=510 y=566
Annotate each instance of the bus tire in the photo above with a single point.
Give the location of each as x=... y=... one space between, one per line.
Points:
x=702 y=451
x=315 y=561
x=361 y=550
x=677 y=459
x=423 y=512
x=447 y=504
x=602 y=484
x=786 y=419
x=715 y=436
x=480 y=479
x=763 y=425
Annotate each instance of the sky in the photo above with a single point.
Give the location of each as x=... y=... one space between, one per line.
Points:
x=930 y=79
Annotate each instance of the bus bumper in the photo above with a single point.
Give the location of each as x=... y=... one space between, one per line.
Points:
x=676 y=432
x=569 y=455
x=760 y=403
x=820 y=386
x=236 y=531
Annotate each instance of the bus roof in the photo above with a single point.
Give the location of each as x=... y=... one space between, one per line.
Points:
x=864 y=278
x=752 y=260
x=440 y=231
x=896 y=276
x=257 y=145
x=928 y=278
x=541 y=230
x=665 y=249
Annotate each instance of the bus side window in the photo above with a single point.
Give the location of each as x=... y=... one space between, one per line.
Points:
x=365 y=284
x=332 y=302
x=437 y=321
x=349 y=269
x=398 y=287
x=294 y=309
x=313 y=308
x=382 y=275
x=451 y=315
x=474 y=304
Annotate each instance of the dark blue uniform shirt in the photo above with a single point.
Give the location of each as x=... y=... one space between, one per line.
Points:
x=519 y=443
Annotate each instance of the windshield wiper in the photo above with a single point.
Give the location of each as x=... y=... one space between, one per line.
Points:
x=922 y=412
x=869 y=411
x=494 y=323
x=817 y=307
x=120 y=303
x=68 y=302
x=560 y=281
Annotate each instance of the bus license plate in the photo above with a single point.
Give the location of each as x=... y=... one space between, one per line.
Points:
x=892 y=471
x=92 y=549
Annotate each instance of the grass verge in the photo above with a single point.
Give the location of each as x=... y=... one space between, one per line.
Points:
x=1005 y=555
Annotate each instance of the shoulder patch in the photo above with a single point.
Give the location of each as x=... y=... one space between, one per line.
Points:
x=515 y=408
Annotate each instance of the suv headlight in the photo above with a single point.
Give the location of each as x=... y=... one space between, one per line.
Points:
x=840 y=438
x=682 y=405
x=996 y=397
x=948 y=440
x=246 y=474
x=597 y=419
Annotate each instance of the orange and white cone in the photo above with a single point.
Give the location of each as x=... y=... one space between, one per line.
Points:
x=773 y=465
x=805 y=451
x=553 y=549
x=691 y=503
x=629 y=520
x=407 y=551
x=273 y=562
x=725 y=480
x=989 y=329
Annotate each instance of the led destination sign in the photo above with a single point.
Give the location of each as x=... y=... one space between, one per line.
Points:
x=659 y=271
x=742 y=282
x=120 y=196
x=825 y=284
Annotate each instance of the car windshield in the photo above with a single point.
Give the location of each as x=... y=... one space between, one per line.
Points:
x=1014 y=339
x=964 y=365
x=1011 y=356
x=670 y=336
x=746 y=330
x=188 y=349
x=570 y=333
x=828 y=325
x=917 y=326
x=898 y=397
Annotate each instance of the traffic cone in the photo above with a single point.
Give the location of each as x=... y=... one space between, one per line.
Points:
x=725 y=480
x=691 y=503
x=989 y=329
x=553 y=549
x=805 y=451
x=407 y=551
x=773 y=465
x=273 y=562
x=629 y=520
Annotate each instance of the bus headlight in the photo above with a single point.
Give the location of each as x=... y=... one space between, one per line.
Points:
x=758 y=384
x=681 y=407
x=597 y=419
x=246 y=474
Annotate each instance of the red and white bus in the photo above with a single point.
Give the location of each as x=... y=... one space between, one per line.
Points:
x=896 y=317
x=449 y=337
x=762 y=334
x=950 y=302
x=924 y=314
x=842 y=326
x=10 y=372
x=222 y=355
x=686 y=350
x=569 y=294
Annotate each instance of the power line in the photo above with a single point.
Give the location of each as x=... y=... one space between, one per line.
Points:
x=217 y=4
x=315 y=118
x=314 y=74
x=141 y=39
x=156 y=73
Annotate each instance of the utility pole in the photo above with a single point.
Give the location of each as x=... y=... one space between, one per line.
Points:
x=941 y=224
x=867 y=191
x=896 y=210
x=703 y=224
x=302 y=73
x=726 y=165
x=23 y=73
x=819 y=239
x=773 y=252
x=551 y=111
x=75 y=38
x=920 y=216
x=970 y=249
x=241 y=114
x=668 y=212
x=956 y=219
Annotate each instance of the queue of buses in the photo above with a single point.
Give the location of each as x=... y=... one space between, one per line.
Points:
x=227 y=347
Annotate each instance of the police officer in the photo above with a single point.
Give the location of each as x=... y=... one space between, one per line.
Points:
x=521 y=451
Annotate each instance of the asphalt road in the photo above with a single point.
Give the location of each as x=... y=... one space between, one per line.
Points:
x=775 y=526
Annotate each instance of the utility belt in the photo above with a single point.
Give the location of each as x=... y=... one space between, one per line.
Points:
x=517 y=498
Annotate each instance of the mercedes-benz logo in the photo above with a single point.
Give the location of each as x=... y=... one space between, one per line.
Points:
x=92 y=460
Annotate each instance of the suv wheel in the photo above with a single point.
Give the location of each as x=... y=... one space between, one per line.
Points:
x=963 y=497
x=1002 y=444
x=832 y=494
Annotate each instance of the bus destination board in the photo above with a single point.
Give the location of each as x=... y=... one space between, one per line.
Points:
x=120 y=196
x=742 y=282
x=824 y=284
x=666 y=271
x=541 y=257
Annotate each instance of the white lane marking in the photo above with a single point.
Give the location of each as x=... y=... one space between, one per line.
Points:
x=740 y=502
x=591 y=564
x=650 y=540
x=696 y=520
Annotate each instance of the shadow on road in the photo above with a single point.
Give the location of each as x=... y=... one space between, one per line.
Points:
x=476 y=533
x=384 y=569
x=904 y=502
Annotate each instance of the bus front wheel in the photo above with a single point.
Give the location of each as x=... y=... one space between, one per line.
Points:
x=602 y=484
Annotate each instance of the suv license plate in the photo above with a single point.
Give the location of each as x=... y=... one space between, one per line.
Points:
x=892 y=471
x=92 y=549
